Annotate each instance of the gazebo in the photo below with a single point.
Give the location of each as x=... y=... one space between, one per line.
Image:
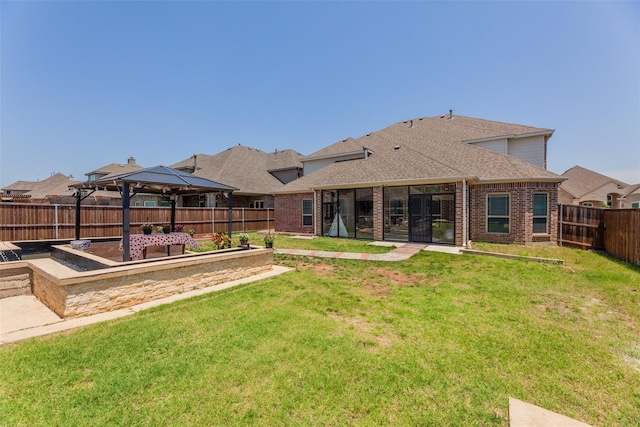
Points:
x=155 y=180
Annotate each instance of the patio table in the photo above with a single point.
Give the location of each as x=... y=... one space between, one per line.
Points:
x=140 y=242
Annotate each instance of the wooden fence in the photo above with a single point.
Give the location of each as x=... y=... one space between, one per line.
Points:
x=581 y=227
x=615 y=231
x=26 y=221
x=622 y=234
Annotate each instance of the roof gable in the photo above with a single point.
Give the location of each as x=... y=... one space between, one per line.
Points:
x=581 y=181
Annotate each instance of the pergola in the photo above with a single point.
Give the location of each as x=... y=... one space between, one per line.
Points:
x=155 y=180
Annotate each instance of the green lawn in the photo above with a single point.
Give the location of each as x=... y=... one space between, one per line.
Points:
x=316 y=244
x=436 y=340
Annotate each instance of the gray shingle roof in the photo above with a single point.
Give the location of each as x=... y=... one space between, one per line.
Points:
x=430 y=149
x=243 y=167
x=56 y=185
x=581 y=181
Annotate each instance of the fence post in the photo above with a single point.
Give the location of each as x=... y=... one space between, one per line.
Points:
x=268 y=224
x=213 y=220
x=560 y=225
x=57 y=228
x=243 y=220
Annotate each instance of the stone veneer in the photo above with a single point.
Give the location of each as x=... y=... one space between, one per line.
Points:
x=69 y=293
x=15 y=279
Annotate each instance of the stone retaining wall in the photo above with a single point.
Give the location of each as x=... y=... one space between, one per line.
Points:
x=15 y=280
x=73 y=294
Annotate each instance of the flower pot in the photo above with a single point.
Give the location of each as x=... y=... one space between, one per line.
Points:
x=145 y=231
x=166 y=230
x=269 y=244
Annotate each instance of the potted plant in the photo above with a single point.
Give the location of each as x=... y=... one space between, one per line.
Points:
x=244 y=239
x=166 y=229
x=221 y=240
x=179 y=228
x=268 y=240
x=192 y=232
x=146 y=228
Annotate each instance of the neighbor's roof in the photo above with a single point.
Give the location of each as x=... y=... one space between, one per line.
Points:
x=244 y=167
x=115 y=169
x=56 y=185
x=581 y=181
x=427 y=149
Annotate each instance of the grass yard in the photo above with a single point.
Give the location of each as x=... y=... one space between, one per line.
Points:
x=317 y=244
x=436 y=340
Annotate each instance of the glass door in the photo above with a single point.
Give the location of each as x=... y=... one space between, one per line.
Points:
x=420 y=218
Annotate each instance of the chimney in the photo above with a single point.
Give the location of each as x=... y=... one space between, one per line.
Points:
x=131 y=161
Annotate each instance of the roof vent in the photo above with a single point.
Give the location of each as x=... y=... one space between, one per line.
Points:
x=411 y=124
x=397 y=147
x=451 y=114
x=366 y=152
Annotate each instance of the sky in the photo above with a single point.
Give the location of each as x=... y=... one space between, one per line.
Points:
x=87 y=83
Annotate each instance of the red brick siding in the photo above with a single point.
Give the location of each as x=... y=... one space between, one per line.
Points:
x=521 y=221
x=288 y=210
x=378 y=213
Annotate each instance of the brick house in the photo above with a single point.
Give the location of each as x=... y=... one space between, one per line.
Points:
x=445 y=179
x=585 y=187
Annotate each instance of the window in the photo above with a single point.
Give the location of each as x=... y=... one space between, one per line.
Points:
x=149 y=204
x=635 y=204
x=307 y=213
x=541 y=213
x=258 y=204
x=587 y=204
x=498 y=213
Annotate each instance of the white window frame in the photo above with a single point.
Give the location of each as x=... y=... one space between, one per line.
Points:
x=149 y=203
x=545 y=216
x=256 y=204
x=508 y=216
x=635 y=205
x=307 y=215
x=586 y=204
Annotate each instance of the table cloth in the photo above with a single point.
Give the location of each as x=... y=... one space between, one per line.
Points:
x=139 y=242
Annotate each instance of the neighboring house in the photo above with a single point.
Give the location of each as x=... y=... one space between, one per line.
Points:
x=631 y=197
x=427 y=180
x=50 y=190
x=255 y=173
x=585 y=187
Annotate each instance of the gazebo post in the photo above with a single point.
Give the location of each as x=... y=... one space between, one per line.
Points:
x=126 y=226
x=172 y=201
x=78 y=200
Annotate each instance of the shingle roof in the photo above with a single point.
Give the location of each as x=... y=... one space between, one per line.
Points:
x=116 y=169
x=424 y=149
x=56 y=185
x=439 y=128
x=243 y=167
x=581 y=181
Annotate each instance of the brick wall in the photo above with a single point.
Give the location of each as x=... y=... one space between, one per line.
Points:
x=521 y=219
x=378 y=213
x=288 y=209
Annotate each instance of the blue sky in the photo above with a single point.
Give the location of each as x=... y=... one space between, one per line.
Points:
x=84 y=84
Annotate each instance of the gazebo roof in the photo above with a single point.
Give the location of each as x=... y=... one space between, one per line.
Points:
x=159 y=180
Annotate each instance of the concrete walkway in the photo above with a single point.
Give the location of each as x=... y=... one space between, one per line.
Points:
x=23 y=317
x=403 y=251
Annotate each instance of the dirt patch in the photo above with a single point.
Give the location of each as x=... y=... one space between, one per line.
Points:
x=318 y=268
x=366 y=329
x=377 y=289
x=398 y=278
